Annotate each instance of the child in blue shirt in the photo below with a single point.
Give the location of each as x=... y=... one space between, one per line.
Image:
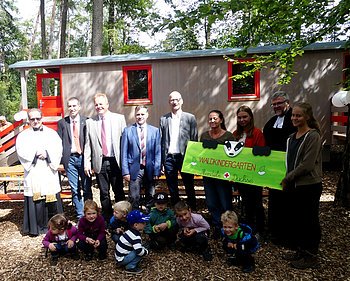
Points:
x=118 y=223
x=238 y=242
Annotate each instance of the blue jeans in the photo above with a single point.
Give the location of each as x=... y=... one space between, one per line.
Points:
x=218 y=196
x=131 y=260
x=78 y=181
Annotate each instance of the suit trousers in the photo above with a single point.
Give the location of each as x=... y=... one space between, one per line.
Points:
x=110 y=175
x=74 y=171
x=135 y=187
x=172 y=166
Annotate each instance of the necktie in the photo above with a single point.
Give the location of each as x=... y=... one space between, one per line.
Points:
x=103 y=138
x=76 y=137
x=143 y=147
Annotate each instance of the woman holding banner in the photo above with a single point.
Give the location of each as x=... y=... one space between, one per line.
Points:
x=303 y=184
x=218 y=193
x=252 y=207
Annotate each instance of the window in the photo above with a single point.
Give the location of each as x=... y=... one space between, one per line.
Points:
x=137 y=84
x=243 y=89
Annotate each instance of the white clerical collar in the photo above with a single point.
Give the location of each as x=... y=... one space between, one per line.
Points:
x=177 y=115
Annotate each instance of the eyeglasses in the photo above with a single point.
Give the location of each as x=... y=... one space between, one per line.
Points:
x=35 y=119
x=175 y=100
x=277 y=103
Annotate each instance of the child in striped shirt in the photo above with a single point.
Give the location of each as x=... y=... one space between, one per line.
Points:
x=129 y=250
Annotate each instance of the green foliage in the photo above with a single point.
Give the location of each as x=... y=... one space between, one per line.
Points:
x=180 y=40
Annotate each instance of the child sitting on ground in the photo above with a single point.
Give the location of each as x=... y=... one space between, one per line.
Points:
x=129 y=250
x=92 y=232
x=161 y=228
x=238 y=242
x=60 y=238
x=118 y=224
x=194 y=231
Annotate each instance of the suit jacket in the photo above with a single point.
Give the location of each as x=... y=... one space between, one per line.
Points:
x=131 y=151
x=93 y=144
x=276 y=138
x=65 y=134
x=188 y=132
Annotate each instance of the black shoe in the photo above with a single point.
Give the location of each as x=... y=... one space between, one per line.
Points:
x=102 y=257
x=248 y=269
x=232 y=261
x=75 y=256
x=135 y=270
x=207 y=255
x=308 y=261
x=293 y=256
x=54 y=261
x=89 y=256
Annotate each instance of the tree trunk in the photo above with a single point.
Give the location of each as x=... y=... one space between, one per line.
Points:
x=342 y=195
x=111 y=22
x=43 y=30
x=64 y=15
x=97 y=28
x=52 y=28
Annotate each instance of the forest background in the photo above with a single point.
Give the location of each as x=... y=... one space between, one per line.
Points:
x=80 y=28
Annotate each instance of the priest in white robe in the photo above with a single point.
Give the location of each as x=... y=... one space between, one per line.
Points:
x=39 y=150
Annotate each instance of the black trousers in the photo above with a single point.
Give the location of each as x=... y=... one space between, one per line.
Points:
x=110 y=175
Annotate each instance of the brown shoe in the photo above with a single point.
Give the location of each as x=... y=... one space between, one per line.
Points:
x=308 y=261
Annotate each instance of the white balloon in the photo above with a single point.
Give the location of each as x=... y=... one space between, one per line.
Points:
x=341 y=98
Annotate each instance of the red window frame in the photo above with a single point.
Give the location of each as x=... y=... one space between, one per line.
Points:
x=246 y=96
x=147 y=100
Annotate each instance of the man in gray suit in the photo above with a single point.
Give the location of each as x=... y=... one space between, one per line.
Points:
x=102 y=152
x=71 y=130
x=177 y=128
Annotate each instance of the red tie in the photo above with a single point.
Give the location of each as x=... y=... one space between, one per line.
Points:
x=76 y=137
x=103 y=137
x=143 y=147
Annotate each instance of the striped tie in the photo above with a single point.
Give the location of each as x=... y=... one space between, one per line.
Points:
x=143 y=147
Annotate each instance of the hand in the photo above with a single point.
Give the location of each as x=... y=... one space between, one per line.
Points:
x=88 y=172
x=127 y=178
x=41 y=154
x=155 y=177
x=97 y=243
x=90 y=241
x=163 y=226
x=52 y=247
x=70 y=244
x=189 y=232
x=119 y=230
x=284 y=184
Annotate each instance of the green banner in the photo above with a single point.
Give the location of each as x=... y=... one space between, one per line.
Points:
x=266 y=171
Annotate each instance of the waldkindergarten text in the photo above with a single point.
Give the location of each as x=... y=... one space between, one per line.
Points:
x=228 y=163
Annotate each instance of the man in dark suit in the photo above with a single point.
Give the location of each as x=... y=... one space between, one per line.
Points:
x=102 y=152
x=141 y=157
x=276 y=131
x=177 y=128
x=71 y=130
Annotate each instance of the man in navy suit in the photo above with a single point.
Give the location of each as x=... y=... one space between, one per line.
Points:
x=141 y=157
x=71 y=130
x=102 y=152
x=177 y=128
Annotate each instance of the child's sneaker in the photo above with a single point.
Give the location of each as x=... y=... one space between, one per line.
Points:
x=89 y=256
x=135 y=270
x=54 y=261
x=232 y=261
x=248 y=269
x=207 y=255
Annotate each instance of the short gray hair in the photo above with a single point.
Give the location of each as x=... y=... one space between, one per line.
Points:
x=278 y=94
